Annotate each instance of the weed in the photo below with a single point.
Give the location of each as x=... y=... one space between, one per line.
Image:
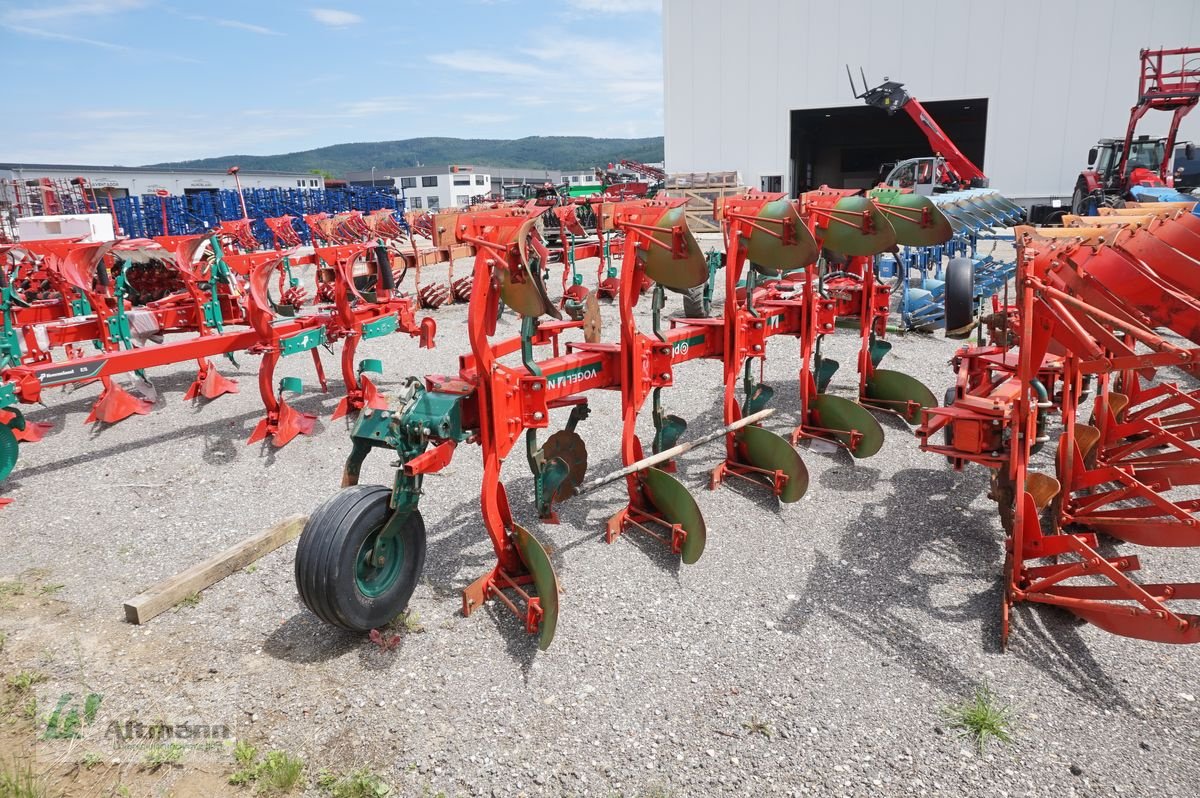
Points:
x=982 y=718
x=362 y=783
x=326 y=778
x=244 y=753
x=412 y=622
x=50 y=590
x=158 y=756
x=90 y=760
x=190 y=600
x=251 y=568
x=756 y=726
x=22 y=682
x=30 y=710
x=276 y=773
x=18 y=780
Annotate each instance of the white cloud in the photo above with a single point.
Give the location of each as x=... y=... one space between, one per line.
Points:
x=66 y=37
x=246 y=26
x=476 y=61
x=334 y=17
x=618 y=6
x=70 y=10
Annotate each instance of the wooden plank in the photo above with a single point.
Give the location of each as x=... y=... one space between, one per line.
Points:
x=171 y=591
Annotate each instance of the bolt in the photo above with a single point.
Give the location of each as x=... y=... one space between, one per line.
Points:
x=539 y=415
x=537 y=386
x=757 y=347
x=380 y=560
x=666 y=375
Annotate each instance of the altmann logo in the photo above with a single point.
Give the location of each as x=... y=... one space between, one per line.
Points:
x=572 y=376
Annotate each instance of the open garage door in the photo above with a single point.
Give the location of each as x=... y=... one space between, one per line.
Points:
x=846 y=146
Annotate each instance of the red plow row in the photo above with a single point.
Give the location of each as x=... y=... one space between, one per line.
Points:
x=1104 y=329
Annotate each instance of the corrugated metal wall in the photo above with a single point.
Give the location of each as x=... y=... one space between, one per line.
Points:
x=1058 y=75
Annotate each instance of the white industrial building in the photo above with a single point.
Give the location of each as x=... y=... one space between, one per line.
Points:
x=1024 y=87
x=449 y=185
x=124 y=181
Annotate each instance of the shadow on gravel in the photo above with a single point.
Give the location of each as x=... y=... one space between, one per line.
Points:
x=305 y=639
x=882 y=589
x=905 y=561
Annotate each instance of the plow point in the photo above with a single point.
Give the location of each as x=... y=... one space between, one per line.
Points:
x=116 y=404
x=210 y=384
x=291 y=422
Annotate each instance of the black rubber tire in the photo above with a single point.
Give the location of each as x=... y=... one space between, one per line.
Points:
x=326 y=559
x=1079 y=199
x=693 y=303
x=960 y=294
x=947 y=431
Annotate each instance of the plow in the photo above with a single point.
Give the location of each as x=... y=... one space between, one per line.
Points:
x=64 y=297
x=806 y=264
x=1104 y=328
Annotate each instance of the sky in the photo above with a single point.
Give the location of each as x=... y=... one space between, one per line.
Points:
x=131 y=82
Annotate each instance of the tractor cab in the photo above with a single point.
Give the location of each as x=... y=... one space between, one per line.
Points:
x=1141 y=167
x=929 y=175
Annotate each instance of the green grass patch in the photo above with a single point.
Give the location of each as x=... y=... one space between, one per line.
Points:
x=982 y=718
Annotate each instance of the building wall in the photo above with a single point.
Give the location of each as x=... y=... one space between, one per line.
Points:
x=147 y=181
x=1057 y=75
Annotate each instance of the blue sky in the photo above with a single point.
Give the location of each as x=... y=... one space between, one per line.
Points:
x=140 y=81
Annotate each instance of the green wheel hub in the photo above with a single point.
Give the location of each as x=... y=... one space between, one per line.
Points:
x=377 y=566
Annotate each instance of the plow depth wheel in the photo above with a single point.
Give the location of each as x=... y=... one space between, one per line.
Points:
x=960 y=297
x=351 y=570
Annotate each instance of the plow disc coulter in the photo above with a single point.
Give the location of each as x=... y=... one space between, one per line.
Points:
x=1106 y=311
x=362 y=552
x=60 y=297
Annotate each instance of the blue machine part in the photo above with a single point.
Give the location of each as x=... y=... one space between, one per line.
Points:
x=974 y=216
x=142 y=217
x=1159 y=194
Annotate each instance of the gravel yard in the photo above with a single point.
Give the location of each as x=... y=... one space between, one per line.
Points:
x=814 y=649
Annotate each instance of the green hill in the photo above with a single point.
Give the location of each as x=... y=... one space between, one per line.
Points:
x=536 y=152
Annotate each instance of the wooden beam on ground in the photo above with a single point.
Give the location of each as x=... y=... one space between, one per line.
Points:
x=169 y=592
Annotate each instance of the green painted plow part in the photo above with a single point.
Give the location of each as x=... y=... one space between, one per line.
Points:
x=846 y=233
x=908 y=214
x=767 y=253
x=534 y=555
x=380 y=327
x=291 y=385
x=757 y=398
x=892 y=387
x=302 y=342
x=373 y=365
x=764 y=449
x=8 y=440
x=878 y=348
x=677 y=506
x=668 y=432
x=841 y=417
x=823 y=370
x=663 y=267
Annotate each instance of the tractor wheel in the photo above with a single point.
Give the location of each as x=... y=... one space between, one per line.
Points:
x=1079 y=200
x=347 y=573
x=693 y=303
x=960 y=297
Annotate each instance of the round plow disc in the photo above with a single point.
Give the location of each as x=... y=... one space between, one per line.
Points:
x=661 y=265
x=676 y=504
x=907 y=218
x=893 y=389
x=857 y=227
x=841 y=416
x=570 y=448
x=768 y=253
x=538 y=562
x=768 y=451
x=524 y=291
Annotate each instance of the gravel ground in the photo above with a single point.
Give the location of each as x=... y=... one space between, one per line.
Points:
x=814 y=649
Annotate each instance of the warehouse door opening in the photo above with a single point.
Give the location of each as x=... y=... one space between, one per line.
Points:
x=846 y=147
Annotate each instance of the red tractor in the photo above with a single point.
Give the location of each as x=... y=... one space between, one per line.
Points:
x=1119 y=169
